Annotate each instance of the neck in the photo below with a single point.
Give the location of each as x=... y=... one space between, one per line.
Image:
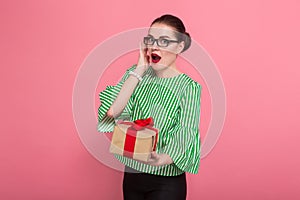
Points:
x=168 y=72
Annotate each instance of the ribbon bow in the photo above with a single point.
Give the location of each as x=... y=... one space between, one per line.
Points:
x=142 y=123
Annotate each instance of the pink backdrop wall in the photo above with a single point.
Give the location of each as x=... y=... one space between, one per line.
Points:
x=255 y=45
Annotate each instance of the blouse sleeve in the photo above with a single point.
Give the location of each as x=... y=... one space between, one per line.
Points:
x=107 y=97
x=184 y=143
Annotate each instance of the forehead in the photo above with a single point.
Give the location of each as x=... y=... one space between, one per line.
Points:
x=158 y=30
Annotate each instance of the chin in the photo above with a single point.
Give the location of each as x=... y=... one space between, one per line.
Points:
x=158 y=66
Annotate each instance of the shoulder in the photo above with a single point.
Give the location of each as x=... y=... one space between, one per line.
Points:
x=191 y=84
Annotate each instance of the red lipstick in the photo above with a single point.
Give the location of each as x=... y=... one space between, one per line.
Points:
x=155 y=58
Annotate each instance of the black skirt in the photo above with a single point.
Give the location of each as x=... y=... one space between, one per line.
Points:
x=143 y=186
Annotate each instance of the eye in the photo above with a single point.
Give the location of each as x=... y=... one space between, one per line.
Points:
x=164 y=41
x=150 y=39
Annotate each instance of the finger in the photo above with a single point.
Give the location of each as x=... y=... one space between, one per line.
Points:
x=146 y=53
x=154 y=155
x=152 y=162
x=149 y=56
x=143 y=54
x=141 y=48
x=149 y=162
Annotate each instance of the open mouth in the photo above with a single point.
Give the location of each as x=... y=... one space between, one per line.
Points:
x=155 y=58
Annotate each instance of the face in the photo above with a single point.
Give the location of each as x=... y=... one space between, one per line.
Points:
x=163 y=57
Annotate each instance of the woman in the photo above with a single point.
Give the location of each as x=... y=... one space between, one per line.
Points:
x=154 y=87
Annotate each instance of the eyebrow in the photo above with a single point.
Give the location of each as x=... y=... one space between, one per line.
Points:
x=163 y=36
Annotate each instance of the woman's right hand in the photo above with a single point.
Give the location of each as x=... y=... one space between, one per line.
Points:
x=129 y=85
x=144 y=60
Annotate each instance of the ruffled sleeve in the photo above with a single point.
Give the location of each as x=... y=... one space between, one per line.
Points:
x=184 y=143
x=107 y=97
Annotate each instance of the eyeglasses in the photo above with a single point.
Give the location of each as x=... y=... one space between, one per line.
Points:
x=161 y=42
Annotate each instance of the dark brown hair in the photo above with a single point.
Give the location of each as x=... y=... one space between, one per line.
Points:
x=178 y=25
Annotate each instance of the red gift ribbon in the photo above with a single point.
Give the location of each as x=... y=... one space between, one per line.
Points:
x=140 y=124
x=132 y=131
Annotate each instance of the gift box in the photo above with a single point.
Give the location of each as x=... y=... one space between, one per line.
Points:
x=135 y=139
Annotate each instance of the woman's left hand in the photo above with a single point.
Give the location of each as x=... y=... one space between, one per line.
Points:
x=159 y=159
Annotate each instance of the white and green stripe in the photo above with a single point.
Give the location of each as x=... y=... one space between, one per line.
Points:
x=174 y=104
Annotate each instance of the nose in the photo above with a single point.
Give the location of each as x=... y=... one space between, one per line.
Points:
x=154 y=46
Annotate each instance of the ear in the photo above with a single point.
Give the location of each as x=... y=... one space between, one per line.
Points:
x=180 y=47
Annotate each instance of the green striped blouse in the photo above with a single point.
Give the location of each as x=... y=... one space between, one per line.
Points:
x=174 y=104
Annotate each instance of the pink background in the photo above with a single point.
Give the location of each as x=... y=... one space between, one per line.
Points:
x=255 y=45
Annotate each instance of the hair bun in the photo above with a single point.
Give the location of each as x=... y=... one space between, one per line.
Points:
x=187 y=41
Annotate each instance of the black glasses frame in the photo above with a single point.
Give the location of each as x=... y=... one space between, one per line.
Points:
x=156 y=40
